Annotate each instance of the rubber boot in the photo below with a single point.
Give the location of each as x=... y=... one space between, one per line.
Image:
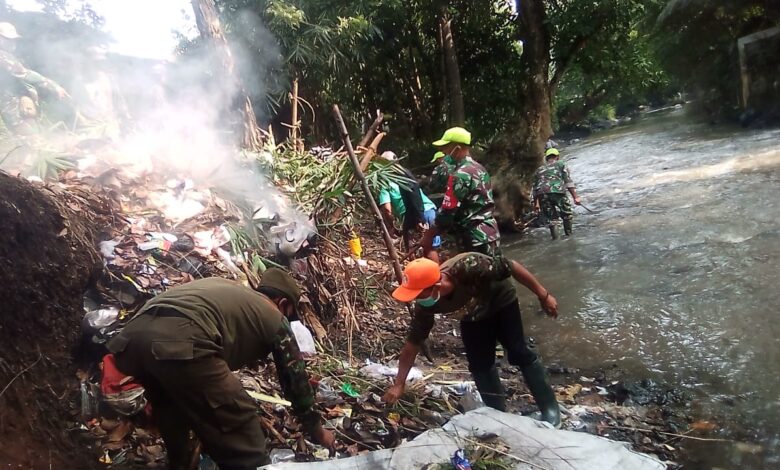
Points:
x=567 y=227
x=542 y=392
x=555 y=232
x=490 y=388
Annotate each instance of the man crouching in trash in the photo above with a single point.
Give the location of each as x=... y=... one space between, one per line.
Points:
x=480 y=285
x=182 y=347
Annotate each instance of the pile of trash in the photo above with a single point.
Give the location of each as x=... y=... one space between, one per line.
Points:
x=167 y=231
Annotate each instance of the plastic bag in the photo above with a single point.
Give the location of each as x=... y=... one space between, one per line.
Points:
x=101 y=318
x=376 y=370
x=304 y=338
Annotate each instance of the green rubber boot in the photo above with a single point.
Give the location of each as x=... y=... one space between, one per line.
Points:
x=555 y=231
x=567 y=227
x=490 y=388
x=542 y=392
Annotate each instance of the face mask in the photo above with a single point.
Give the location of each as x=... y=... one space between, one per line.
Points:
x=429 y=301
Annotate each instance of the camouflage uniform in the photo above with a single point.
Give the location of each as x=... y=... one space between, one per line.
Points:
x=467 y=208
x=485 y=300
x=182 y=347
x=441 y=173
x=19 y=94
x=551 y=181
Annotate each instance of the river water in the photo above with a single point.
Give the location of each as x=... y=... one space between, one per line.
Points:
x=676 y=276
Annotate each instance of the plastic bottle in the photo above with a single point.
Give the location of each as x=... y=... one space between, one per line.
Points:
x=355 y=246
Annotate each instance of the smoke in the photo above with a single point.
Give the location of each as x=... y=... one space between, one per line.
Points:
x=162 y=120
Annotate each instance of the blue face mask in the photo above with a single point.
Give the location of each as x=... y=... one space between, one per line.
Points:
x=429 y=301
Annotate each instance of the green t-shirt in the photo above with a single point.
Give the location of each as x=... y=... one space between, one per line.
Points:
x=392 y=194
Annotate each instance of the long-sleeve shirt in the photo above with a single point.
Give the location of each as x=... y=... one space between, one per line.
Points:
x=552 y=178
x=243 y=326
x=467 y=209
x=482 y=286
x=16 y=79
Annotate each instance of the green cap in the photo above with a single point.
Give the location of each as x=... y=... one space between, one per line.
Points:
x=278 y=279
x=437 y=156
x=456 y=135
x=551 y=152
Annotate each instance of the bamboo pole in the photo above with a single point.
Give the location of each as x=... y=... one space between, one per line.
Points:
x=374 y=208
x=294 y=102
x=372 y=129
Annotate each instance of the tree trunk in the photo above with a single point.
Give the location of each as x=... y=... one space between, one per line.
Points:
x=535 y=121
x=513 y=158
x=207 y=19
x=457 y=115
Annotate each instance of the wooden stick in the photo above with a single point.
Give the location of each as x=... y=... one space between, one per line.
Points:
x=367 y=192
x=40 y=356
x=294 y=124
x=681 y=436
x=371 y=129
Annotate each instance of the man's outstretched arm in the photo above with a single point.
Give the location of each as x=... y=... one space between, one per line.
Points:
x=524 y=277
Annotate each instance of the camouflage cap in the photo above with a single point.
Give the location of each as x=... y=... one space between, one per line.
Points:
x=279 y=280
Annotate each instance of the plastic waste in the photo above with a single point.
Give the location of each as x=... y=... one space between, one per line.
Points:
x=304 y=338
x=206 y=463
x=355 y=247
x=282 y=455
x=326 y=390
x=207 y=240
x=290 y=238
x=89 y=403
x=459 y=460
x=377 y=371
x=100 y=318
x=349 y=390
x=164 y=245
x=107 y=249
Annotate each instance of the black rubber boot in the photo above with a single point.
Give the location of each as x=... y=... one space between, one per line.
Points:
x=567 y=227
x=542 y=392
x=555 y=231
x=490 y=388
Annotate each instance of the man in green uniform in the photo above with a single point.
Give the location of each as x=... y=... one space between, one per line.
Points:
x=182 y=347
x=467 y=208
x=479 y=287
x=551 y=181
x=19 y=87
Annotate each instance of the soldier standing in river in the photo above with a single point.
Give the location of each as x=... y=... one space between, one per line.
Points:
x=551 y=181
x=19 y=105
x=467 y=208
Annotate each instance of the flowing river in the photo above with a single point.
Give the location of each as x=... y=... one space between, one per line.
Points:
x=676 y=275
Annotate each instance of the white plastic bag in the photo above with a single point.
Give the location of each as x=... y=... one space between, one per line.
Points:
x=304 y=338
x=376 y=370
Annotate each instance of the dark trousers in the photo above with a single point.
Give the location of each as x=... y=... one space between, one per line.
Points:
x=191 y=390
x=504 y=326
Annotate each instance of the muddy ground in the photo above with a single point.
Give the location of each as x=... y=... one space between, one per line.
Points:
x=46 y=261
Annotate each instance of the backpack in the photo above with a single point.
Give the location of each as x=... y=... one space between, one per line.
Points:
x=412 y=197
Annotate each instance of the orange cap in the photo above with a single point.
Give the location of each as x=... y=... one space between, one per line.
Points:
x=419 y=275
